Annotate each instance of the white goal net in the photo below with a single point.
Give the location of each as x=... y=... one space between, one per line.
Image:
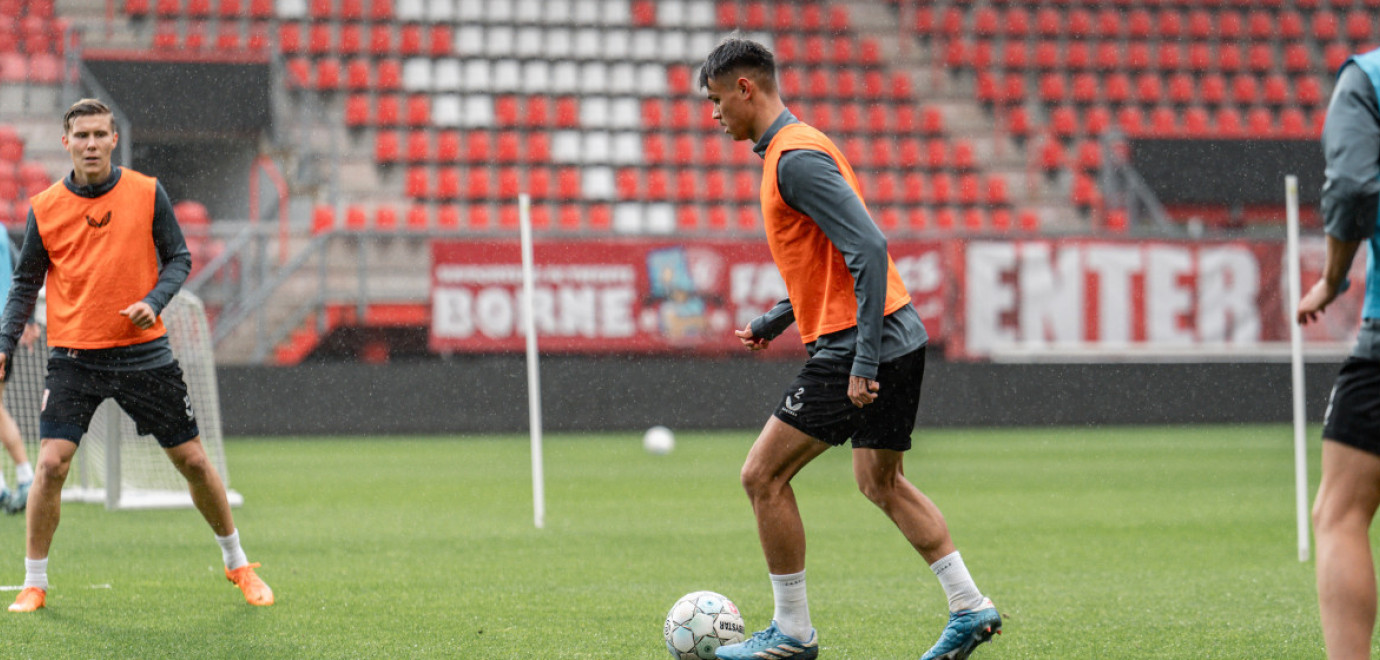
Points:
x=114 y=464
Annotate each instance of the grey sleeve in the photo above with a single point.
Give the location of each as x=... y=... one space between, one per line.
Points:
x=810 y=182
x=173 y=256
x=29 y=274
x=775 y=321
x=1351 y=146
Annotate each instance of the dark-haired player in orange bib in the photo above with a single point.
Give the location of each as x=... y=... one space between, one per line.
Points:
x=107 y=243
x=867 y=359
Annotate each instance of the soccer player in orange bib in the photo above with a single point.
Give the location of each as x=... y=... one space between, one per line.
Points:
x=867 y=359
x=99 y=237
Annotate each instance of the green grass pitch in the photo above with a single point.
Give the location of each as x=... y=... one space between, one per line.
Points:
x=1165 y=542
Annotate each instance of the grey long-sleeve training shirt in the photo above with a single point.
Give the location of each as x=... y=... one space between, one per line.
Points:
x=32 y=269
x=1351 y=194
x=810 y=182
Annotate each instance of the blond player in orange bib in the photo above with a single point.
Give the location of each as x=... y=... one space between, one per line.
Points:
x=867 y=360
x=107 y=243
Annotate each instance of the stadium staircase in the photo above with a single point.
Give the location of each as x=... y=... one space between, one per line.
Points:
x=964 y=116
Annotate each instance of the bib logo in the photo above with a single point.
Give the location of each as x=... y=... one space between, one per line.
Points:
x=105 y=220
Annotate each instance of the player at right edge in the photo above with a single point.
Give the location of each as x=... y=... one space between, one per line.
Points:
x=867 y=360
x=1350 y=489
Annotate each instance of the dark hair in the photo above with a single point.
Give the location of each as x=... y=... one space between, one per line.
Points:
x=738 y=55
x=85 y=108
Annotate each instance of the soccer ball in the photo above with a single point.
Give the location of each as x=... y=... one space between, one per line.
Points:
x=699 y=623
x=658 y=440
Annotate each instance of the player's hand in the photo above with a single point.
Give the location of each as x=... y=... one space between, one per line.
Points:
x=1317 y=299
x=862 y=391
x=140 y=314
x=30 y=336
x=749 y=341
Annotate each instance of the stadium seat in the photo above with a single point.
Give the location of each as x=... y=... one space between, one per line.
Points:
x=1259 y=122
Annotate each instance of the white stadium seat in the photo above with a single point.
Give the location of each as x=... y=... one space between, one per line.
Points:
x=659 y=219
x=597 y=183
x=530 y=42
x=446 y=75
x=476 y=77
x=498 y=41
x=499 y=11
x=416 y=75
x=671 y=13
x=507 y=76
x=588 y=43
x=627 y=218
x=698 y=14
x=594 y=112
x=445 y=110
x=594 y=78
x=645 y=46
x=292 y=9
x=536 y=77
x=469 y=11
x=528 y=12
x=627 y=148
x=565 y=147
x=673 y=46
x=624 y=112
x=651 y=80
x=469 y=40
x=617 y=44
x=598 y=147
x=565 y=77
x=479 y=111
x=440 y=11
x=622 y=78
x=617 y=12
x=559 y=44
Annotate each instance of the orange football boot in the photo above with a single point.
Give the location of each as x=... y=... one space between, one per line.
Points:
x=255 y=591
x=28 y=600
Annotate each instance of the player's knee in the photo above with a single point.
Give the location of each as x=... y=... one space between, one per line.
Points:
x=756 y=480
x=193 y=466
x=52 y=468
x=877 y=488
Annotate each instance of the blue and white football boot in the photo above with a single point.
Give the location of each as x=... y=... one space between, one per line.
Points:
x=966 y=629
x=18 y=498
x=771 y=643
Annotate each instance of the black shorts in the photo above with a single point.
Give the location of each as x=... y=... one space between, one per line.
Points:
x=155 y=398
x=1353 y=411
x=817 y=403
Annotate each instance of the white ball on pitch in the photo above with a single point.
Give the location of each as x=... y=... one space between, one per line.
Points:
x=699 y=623
x=659 y=440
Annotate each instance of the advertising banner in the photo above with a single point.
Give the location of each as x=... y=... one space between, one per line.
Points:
x=1044 y=299
x=628 y=296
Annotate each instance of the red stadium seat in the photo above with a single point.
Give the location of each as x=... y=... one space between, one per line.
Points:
x=1307 y=91
x=1291 y=25
x=1325 y=26
x=1117 y=88
x=1293 y=123
x=1197 y=122
x=1163 y=122
x=1275 y=91
x=417 y=185
x=1169 y=24
x=388 y=110
x=1245 y=90
x=356 y=110
x=1358 y=25
x=1228 y=121
x=1229 y=59
x=1181 y=89
x=1097 y=120
x=418 y=217
x=1259 y=122
x=1063 y=122
x=418 y=146
x=410 y=39
x=1212 y=89
x=1131 y=120
x=386 y=148
x=320 y=38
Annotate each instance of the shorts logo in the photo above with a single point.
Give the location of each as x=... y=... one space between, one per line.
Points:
x=188 y=401
x=793 y=406
x=105 y=220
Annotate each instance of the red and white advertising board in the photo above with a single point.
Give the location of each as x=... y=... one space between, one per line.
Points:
x=627 y=296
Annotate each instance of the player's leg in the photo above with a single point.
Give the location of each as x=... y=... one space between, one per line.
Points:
x=1342 y=514
x=72 y=395
x=158 y=401
x=44 y=511
x=13 y=499
x=779 y=453
x=882 y=480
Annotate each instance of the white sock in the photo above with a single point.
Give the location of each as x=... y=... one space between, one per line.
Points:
x=231 y=551
x=792 y=610
x=36 y=573
x=23 y=473
x=3 y=484
x=958 y=584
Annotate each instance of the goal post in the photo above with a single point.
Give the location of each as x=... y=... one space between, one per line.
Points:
x=114 y=465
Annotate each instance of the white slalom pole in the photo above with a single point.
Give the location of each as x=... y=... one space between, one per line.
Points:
x=533 y=373
x=1291 y=199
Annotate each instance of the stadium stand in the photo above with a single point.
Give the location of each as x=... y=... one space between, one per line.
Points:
x=976 y=116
